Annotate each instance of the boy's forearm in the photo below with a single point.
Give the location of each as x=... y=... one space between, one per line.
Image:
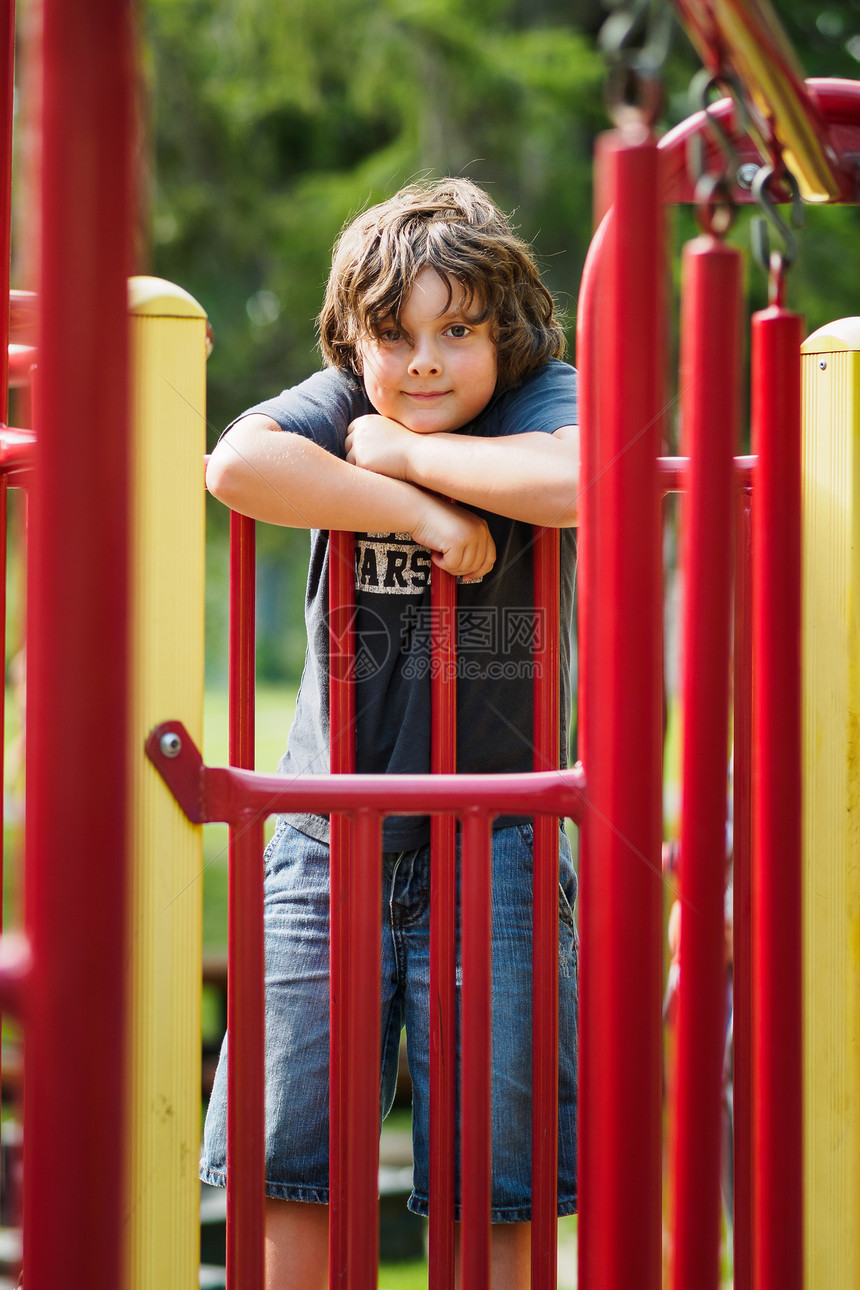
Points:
x=531 y=477
x=285 y=479
x=282 y=478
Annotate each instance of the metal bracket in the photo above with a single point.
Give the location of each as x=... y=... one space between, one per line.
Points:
x=178 y=761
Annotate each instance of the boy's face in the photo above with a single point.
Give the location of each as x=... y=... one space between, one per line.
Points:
x=437 y=370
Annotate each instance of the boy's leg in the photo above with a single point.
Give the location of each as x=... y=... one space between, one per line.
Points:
x=297 y=1063
x=296 y=1236
x=510 y=1256
x=512 y=1048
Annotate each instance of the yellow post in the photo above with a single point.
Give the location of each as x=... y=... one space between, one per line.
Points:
x=168 y=345
x=831 y=894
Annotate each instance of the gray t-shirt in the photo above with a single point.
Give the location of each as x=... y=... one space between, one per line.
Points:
x=393 y=623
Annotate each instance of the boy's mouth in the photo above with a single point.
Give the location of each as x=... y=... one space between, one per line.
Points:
x=426 y=394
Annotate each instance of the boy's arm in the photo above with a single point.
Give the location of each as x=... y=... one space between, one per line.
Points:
x=532 y=477
x=283 y=478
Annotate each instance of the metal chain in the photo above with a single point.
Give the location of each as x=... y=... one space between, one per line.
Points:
x=635 y=40
x=713 y=189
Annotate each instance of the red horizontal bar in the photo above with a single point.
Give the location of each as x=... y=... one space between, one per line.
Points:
x=837 y=100
x=672 y=473
x=17 y=448
x=224 y=794
x=22 y=359
x=15 y=963
x=23 y=306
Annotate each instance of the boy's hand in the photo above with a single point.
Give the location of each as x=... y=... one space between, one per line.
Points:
x=459 y=541
x=379 y=444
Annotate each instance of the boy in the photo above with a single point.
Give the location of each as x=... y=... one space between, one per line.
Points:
x=442 y=428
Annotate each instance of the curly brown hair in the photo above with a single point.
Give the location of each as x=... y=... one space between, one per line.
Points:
x=452 y=226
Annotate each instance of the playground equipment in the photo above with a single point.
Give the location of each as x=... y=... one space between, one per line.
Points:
x=70 y=981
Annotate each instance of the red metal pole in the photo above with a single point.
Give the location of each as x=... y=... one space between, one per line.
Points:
x=587 y=321
x=621 y=1059
x=342 y=761
x=742 y=887
x=78 y=663
x=245 y=1059
x=475 y=1043
x=4 y=534
x=363 y=1039
x=545 y=921
x=443 y=937
x=777 y=941
x=242 y=666
x=7 y=112
x=710 y=400
x=245 y=991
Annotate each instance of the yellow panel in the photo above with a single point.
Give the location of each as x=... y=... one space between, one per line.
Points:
x=168 y=580
x=831 y=896
x=155 y=296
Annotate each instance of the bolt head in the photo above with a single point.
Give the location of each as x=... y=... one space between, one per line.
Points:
x=822 y=363
x=170 y=744
x=746 y=174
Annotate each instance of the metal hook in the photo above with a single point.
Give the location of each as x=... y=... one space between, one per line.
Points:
x=759 y=232
x=700 y=87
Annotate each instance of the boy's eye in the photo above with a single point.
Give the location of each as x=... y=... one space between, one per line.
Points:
x=390 y=334
x=459 y=330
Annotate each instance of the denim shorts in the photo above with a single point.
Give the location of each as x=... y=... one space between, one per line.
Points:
x=297 y=1020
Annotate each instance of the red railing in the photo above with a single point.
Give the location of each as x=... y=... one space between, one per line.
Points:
x=77 y=760
x=620 y=731
x=357 y=805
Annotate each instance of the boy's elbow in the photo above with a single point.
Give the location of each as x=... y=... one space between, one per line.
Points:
x=565 y=504
x=225 y=471
x=566 y=477
x=218 y=476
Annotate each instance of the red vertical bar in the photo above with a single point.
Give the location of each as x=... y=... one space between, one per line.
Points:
x=621 y=915
x=7 y=104
x=78 y=661
x=342 y=761
x=475 y=1046
x=587 y=320
x=4 y=532
x=363 y=1037
x=710 y=393
x=245 y=1059
x=545 y=924
x=741 y=866
x=245 y=977
x=443 y=938
x=242 y=639
x=777 y=1056
x=245 y=1174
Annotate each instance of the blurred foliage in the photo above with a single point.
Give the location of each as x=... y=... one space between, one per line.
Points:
x=273 y=124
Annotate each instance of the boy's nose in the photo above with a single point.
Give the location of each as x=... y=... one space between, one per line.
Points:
x=424 y=360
